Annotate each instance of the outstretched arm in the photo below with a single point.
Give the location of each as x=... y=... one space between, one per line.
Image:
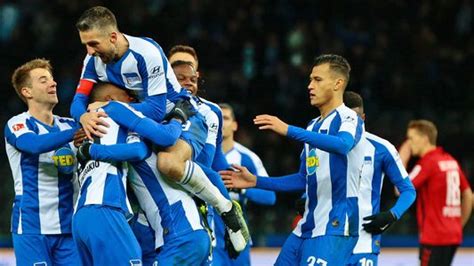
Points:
x=163 y=135
x=260 y=196
x=119 y=152
x=244 y=179
x=36 y=144
x=341 y=143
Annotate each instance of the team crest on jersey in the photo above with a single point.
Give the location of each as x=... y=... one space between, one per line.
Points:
x=312 y=162
x=132 y=79
x=367 y=160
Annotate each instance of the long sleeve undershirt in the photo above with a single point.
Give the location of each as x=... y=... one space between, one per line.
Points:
x=37 y=144
x=340 y=143
x=163 y=135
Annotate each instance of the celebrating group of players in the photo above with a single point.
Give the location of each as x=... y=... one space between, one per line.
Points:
x=138 y=125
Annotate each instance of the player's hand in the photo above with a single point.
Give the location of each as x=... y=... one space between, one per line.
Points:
x=379 y=222
x=182 y=110
x=79 y=137
x=96 y=105
x=405 y=152
x=83 y=155
x=93 y=124
x=241 y=178
x=272 y=123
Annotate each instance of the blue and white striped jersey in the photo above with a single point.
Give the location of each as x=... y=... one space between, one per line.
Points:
x=380 y=159
x=170 y=210
x=104 y=182
x=44 y=197
x=241 y=155
x=144 y=68
x=212 y=155
x=332 y=179
x=213 y=115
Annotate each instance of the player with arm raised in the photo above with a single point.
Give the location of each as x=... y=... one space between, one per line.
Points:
x=331 y=162
x=140 y=64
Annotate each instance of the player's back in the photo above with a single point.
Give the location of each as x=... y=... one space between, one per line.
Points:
x=378 y=152
x=104 y=182
x=332 y=179
x=170 y=210
x=241 y=155
x=439 y=200
x=44 y=196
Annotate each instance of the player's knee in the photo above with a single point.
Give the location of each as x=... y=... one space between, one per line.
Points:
x=170 y=166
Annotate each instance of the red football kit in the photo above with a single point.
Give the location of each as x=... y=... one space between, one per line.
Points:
x=439 y=182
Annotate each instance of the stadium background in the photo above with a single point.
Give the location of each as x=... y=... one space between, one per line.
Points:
x=410 y=59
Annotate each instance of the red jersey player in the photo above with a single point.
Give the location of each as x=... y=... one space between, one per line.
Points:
x=444 y=201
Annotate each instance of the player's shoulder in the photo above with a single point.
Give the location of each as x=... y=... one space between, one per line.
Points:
x=343 y=110
x=244 y=150
x=144 y=46
x=19 y=117
x=18 y=120
x=346 y=114
x=380 y=143
x=65 y=120
x=212 y=105
x=312 y=122
x=17 y=123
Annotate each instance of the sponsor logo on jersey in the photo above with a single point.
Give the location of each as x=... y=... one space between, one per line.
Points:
x=155 y=72
x=312 y=162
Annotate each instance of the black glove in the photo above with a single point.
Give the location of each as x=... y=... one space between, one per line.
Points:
x=300 y=206
x=83 y=154
x=182 y=110
x=233 y=254
x=379 y=222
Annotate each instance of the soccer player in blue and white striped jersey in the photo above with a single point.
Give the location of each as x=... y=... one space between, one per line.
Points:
x=39 y=149
x=380 y=159
x=331 y=163
x=238 y=154
x=179 y=235
x=100 y=220
x=185 y=63
x=139 y=64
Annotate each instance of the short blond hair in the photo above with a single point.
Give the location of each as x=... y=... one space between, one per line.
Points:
x=21 y=76
x=426 y=128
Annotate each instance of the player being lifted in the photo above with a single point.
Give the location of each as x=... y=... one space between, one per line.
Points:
x=180 y=237
x=184 y=61
x=139 y=64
